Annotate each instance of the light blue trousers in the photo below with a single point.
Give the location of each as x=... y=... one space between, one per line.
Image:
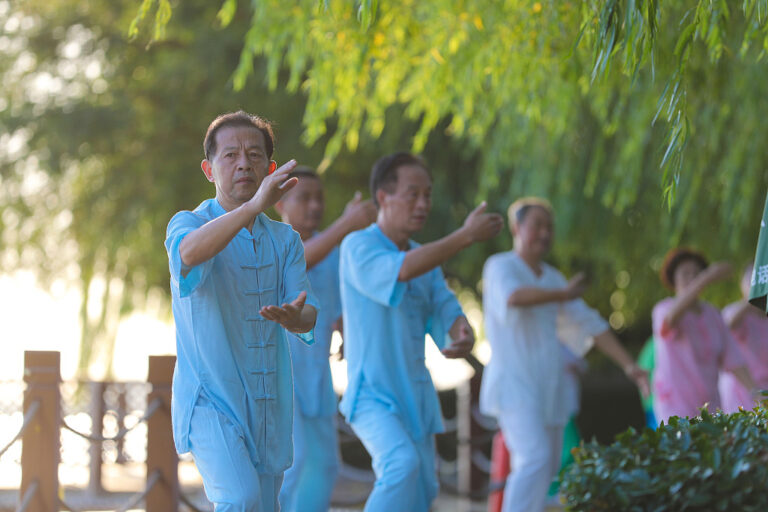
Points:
x=406 y=477
x=230 y=479
x=308 y=484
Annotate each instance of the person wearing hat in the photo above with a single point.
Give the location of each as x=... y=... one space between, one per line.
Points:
x=749 y=327
x=693 y=343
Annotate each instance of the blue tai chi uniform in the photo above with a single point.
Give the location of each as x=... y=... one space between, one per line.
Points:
x=232 y=400
x=308 y=484
x=390 y=401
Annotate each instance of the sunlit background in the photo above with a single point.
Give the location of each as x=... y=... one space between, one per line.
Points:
x=639 y=147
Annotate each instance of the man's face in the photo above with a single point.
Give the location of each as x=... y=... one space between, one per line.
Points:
x=406 y=209
x=536 y=231
x=239 y=165
x=304 y=205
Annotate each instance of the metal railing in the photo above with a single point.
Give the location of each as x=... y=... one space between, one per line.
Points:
x=466 y=476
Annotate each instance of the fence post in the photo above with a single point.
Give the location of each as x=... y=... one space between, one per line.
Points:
x=40 y=442
x=161 y=453
x=471 y=479
x=122 y=407
x=97 y=428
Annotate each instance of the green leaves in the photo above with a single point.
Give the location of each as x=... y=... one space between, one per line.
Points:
x=715 y=462
x=162 y=17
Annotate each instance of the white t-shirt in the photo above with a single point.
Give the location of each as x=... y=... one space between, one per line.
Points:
x=525 y=372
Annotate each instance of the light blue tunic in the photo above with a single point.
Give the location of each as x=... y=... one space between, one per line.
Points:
x=224 y=346
x=385 y=321
x=312 y=385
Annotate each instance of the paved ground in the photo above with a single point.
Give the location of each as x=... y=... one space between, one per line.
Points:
x=121 y=482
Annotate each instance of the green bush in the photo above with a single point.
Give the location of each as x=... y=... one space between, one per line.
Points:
x=715 y=462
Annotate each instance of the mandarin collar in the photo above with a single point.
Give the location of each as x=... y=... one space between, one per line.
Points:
x=258 y=223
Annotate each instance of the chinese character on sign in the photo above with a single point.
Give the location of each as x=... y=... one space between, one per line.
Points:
x=762 y=274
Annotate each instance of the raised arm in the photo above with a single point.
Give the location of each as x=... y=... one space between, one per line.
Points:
x=609 y=345
x=211 y=238
x=523 y=297
x=478 y=226
x=685 y=299
x=357 y=215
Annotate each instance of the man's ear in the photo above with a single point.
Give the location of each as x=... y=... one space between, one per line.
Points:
x=279 y=207
x=207 y=169
x=381 y=196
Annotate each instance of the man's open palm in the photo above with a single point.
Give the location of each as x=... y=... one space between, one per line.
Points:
x=288 y=315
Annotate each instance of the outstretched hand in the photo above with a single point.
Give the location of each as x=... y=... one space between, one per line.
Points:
x=463 y=339
x=273 y=187
x=718 y=271
x=288 y=315
x=481 y=226
x=358 y=213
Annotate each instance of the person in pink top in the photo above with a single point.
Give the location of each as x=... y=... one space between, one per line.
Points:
x=692 y=341
x=749 y=327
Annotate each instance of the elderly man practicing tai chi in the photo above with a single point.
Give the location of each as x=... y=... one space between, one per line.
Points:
x=239 y=287
x=393 y=293
x=308 y=484
x=530 y=309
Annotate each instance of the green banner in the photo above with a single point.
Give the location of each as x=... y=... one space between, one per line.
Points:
x=758 y=294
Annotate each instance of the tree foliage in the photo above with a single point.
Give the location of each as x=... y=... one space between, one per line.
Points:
x=604 y=106
x=100 y=134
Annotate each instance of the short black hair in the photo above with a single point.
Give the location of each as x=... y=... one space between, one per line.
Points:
x=239 y=118
x=303 y=171
x=674 y=258
x=384 y=171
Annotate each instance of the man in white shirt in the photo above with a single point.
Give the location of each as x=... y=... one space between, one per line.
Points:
x=530 y=309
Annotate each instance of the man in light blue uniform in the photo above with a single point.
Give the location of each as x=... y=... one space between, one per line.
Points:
x=308 y=484
x=393 y=293
x=238 y=283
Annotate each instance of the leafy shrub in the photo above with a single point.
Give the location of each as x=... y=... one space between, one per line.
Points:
x=715 y=462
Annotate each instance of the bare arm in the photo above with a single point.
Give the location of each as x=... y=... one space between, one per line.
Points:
x=211 y=238
x=523 y=297
x=609 y=344
x=477 y=227
x=690 y=295
x=357 y=215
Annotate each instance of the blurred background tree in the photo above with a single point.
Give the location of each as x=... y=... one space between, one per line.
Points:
x=100 y=134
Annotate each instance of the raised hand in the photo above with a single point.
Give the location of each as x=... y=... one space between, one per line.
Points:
x=719 y=271
x=577 y=285
x=273 y=188
x=358 y=214
x=481 y=226
x=288 y=315
x=463 y=339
